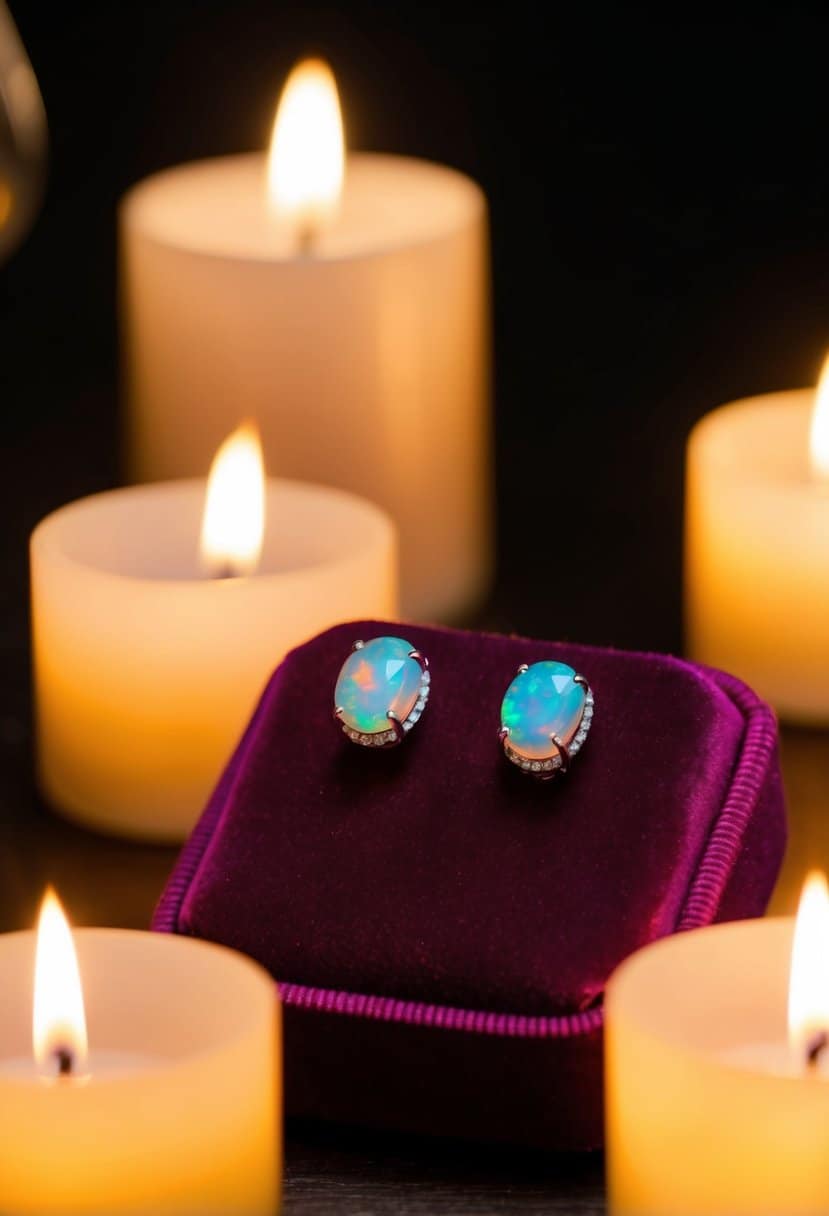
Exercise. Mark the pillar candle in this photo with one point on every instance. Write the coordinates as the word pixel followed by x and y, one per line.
pixel 757 551
pixel 363 354
pixel 712 1106
pixel 147 668
pixel 176 1108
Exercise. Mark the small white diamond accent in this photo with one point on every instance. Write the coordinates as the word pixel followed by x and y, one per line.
pixel 525 764
pixel 365 739
pixel 427 677
pixel 588 713
pixel 408 725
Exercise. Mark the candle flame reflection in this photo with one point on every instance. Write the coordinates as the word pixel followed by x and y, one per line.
pixel 819 434
pixel 233 526
pixel 809 977
pixel 307 155
pixel 59 1022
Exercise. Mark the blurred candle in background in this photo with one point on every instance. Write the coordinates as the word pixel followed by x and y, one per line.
pixel 23 138
pixel 158 612
pixel 757 546
pixel 341 303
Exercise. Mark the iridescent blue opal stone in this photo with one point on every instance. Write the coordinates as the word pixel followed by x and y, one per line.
pixel 542 702
pixel 378 677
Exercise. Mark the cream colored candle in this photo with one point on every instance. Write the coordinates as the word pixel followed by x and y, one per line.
pixel 174 1109
pixel 354 330
pixel 712 1106
pixel 147 668
pixel 757 549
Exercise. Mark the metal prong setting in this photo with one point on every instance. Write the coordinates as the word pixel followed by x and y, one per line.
pixel 358 645
pixel 563 754
pixel 419 658
pixel 559 760
pixel 399 733
pixel 524 667
pixel 399 730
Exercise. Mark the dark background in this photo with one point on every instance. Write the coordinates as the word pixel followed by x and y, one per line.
pixel 658 187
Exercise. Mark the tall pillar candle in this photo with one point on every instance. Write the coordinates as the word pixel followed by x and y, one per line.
pixel 363 354
pixel 147 669
pixel 757 549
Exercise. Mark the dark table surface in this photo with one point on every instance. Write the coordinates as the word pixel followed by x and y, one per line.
pixel 103 881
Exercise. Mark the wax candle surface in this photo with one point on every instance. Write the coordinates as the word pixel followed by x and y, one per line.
pixel 179 1114
pixel 757 552
pixel 707 1114
pixel 146 669
pixel 365 362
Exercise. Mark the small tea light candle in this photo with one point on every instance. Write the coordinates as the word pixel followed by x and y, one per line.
pixel 717 1071
pixel 342 301
pixel 757 547
pixel 173 1104
pixel 158 613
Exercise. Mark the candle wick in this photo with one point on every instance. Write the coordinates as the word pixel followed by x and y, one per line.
pixel 65 1059
pixel 815 1048
pixel 306 238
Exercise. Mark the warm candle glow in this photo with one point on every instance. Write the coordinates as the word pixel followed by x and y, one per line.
pixel 819 436
pixel 59 1022
pixel 233 527
pixel 809 977
pixel 306 161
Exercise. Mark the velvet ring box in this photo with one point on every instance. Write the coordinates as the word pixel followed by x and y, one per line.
pixel 440 924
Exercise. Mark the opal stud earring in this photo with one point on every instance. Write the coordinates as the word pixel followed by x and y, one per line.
pixel 381 691
pixel 545 717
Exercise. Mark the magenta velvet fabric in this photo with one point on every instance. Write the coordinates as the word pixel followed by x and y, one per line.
pixel 437 920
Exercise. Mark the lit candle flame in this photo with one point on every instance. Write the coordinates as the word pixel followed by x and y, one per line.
pixel 233 526
pixel 819 435
pixel 59 1022
pixel 809 978
pixel 307 155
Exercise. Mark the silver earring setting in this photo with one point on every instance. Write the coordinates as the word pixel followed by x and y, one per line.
pixel 546 715
pixel 381 691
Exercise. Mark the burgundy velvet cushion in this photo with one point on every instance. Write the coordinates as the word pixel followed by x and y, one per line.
pixel 438 874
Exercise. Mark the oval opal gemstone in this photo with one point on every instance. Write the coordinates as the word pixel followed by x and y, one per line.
pixel 379 677
pixel 542 701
